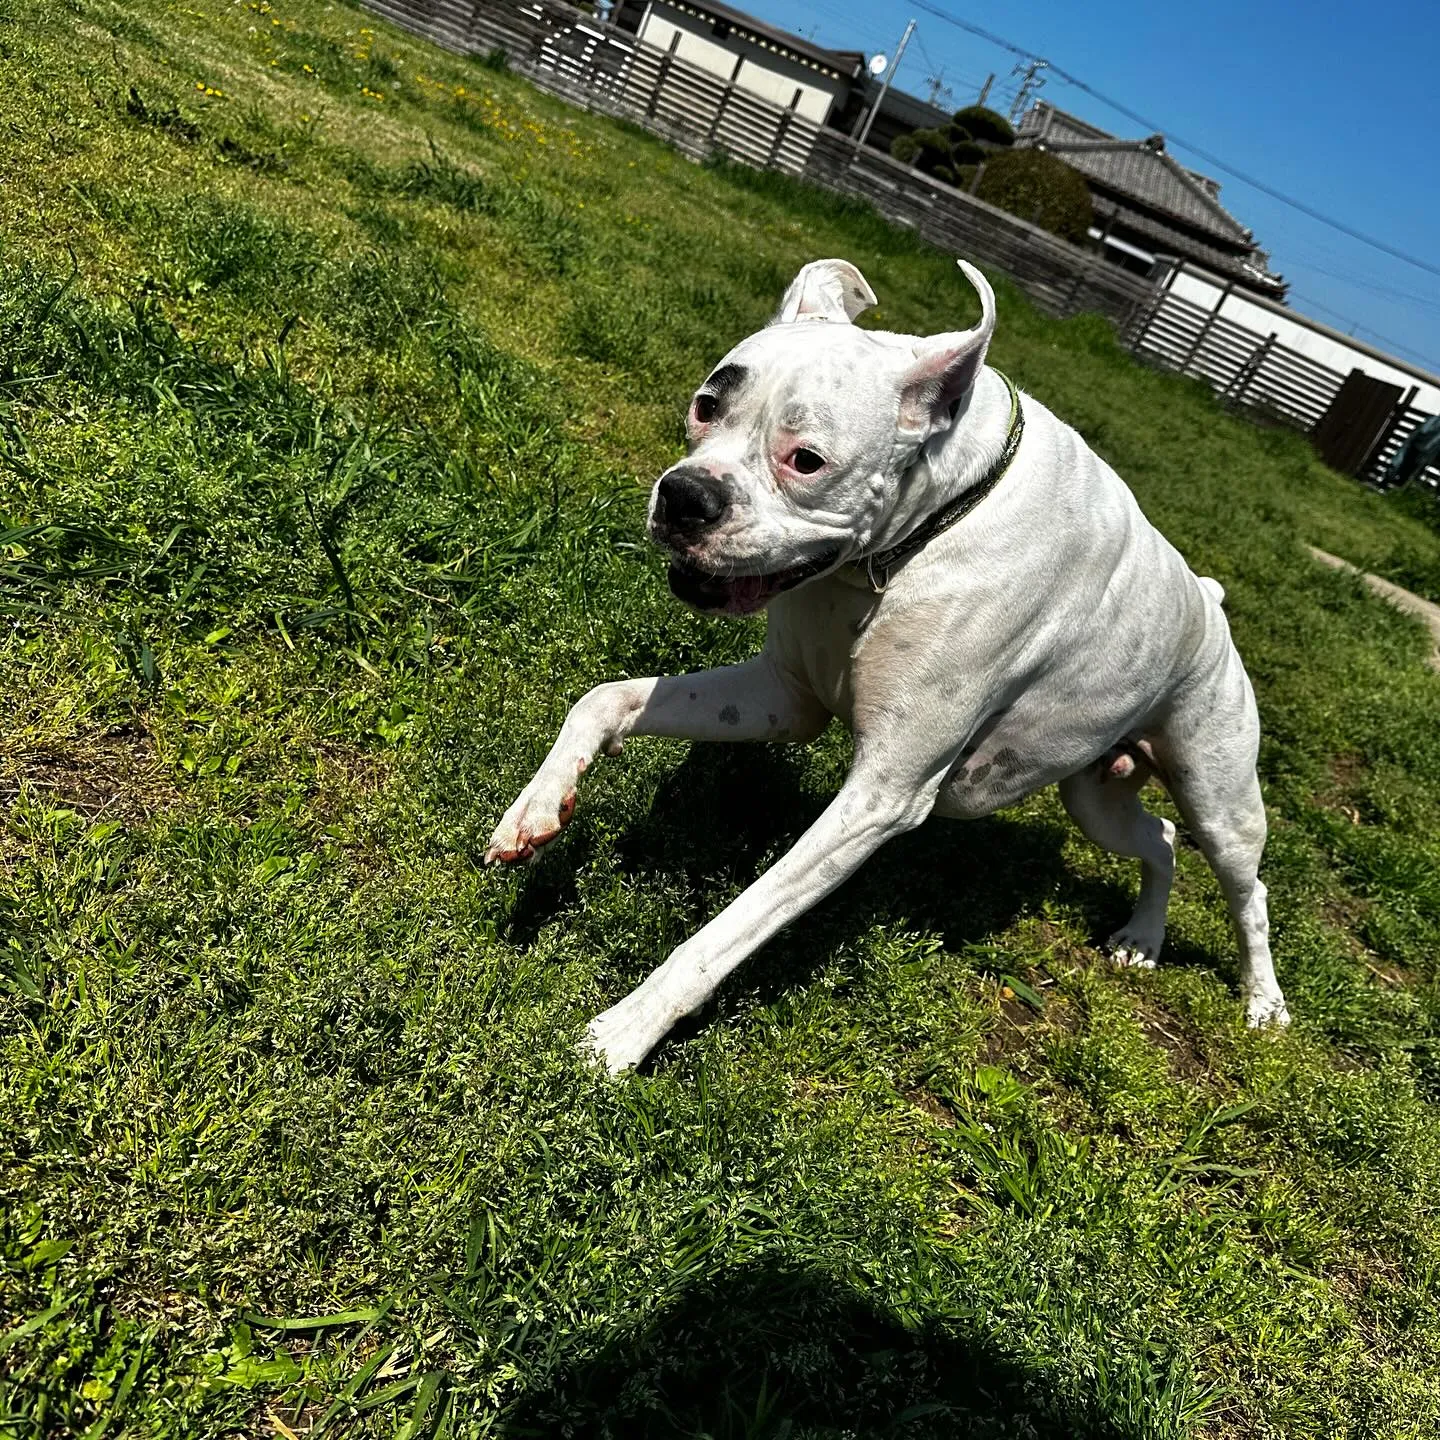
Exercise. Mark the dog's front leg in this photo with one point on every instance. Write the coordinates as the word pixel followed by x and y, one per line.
pixel 876 803
pixel 753 701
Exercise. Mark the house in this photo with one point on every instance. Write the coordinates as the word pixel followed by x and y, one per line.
pixel 784 69
pixel 1148 207
pixel 899 113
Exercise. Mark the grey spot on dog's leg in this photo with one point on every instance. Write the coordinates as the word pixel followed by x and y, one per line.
pixel 979 773
pixel 730 715
pixel 692 694
pixel 774 721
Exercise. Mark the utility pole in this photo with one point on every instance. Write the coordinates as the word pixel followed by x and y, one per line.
pixel 1033 80
pixel 985 88
pixel 880 98
pixel 938 87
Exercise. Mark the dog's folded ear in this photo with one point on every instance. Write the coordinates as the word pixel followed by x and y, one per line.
pixel 825 290
pixel 946 366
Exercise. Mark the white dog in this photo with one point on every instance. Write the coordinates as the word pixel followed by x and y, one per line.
pixel 955 574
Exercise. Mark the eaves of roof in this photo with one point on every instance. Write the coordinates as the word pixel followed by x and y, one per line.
pixel 1175 240
pixel 841 64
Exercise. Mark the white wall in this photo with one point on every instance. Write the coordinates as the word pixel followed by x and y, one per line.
pixel 1299 335
pixel 772 77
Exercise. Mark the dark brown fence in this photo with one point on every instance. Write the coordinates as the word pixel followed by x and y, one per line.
pixel 572 54
pixel 568 52
pixel 1061 278
pixel 1259 374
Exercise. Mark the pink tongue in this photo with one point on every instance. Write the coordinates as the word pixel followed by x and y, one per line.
pixel 747 590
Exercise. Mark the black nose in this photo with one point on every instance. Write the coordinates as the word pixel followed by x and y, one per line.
pixel 685 500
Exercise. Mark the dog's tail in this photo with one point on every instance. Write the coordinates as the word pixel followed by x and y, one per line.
pixel 1213 588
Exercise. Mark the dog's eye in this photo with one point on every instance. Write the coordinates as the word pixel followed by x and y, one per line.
pixel 705 407
pixel 807 462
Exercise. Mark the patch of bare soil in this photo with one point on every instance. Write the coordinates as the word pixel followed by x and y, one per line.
pixel 1347 771
pixel 1168 1031
pixel 933 1106
pixel 345 775
pixel 113 774
pixel 1020 1029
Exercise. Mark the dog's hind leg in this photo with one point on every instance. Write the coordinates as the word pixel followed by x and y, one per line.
pixel 1104 801
pixel 1207 753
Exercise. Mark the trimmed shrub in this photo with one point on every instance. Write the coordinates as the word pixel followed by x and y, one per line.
pixel 940 152
pixel 1040 188
pixel 935 142
pixel 904 148
pixel 984 125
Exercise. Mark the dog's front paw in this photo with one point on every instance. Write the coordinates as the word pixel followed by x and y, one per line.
pixel 531 823
pixel 1136 947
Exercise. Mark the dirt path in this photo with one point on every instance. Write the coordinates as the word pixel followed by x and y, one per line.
pixel 1424 610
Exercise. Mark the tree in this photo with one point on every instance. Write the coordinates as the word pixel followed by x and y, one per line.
pixel 967 140
pixel 984 125
pixel 905 148
pixel 938 152
pixel 1040 188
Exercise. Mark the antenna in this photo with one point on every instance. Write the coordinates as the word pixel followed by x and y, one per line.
pixel 1030 84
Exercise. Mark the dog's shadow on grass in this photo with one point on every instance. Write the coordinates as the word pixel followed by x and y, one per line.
pixel 772 1350
pixel 728 811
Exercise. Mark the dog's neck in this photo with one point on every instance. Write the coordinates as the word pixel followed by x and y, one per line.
pixel 951 462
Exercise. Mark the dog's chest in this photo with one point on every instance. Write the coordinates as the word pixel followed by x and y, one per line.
pixel 820 633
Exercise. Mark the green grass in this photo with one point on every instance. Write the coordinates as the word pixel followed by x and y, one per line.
pixel 326 423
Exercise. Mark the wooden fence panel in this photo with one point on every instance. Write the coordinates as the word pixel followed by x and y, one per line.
pixel 1287 385
pixel 1060 277
pixel 1408 423
pixel 572 54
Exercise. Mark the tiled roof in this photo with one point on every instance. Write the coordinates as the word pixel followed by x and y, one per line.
pixel 1138 168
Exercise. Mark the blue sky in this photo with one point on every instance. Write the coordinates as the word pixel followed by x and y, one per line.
pixel 1335 104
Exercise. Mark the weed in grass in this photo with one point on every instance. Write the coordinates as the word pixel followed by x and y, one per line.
pixel 552 237
pixel 164 116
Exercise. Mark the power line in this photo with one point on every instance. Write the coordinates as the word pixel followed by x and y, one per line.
pixel 1389 292
pixel 1354 324
pixel 1205 155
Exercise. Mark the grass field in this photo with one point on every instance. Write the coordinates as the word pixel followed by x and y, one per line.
pixel 333 372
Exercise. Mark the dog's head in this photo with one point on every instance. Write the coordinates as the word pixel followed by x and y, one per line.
pixel 800 438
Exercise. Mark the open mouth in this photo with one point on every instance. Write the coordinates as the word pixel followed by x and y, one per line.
pixel 739 594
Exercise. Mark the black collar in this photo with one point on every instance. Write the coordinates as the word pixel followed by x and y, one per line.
pixel 879 563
